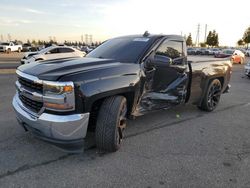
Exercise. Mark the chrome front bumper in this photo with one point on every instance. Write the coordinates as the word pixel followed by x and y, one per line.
pixel 50 127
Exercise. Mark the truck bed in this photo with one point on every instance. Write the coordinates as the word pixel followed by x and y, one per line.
pixel 204 69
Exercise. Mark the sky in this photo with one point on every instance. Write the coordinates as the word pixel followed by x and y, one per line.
pixel 104 19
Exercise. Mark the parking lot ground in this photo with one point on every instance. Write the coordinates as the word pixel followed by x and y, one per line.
pixel 10 61
pixel 180 147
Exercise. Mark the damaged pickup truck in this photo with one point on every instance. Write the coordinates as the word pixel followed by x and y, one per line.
pixel 63 101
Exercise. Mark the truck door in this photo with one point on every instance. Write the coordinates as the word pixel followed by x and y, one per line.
pixel 166 81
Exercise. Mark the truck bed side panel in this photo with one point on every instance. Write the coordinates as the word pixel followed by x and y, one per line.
pixel 205 71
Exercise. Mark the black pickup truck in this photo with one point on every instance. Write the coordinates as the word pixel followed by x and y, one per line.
pixel 63 101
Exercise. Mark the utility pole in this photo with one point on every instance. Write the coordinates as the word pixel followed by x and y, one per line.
pixel 205 37
pixel 82 38
pixel 86 38
pixel 197 40
pixel 90 39
pixel 185 37
pixel 9 37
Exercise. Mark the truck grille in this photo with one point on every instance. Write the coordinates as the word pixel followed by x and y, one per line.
pixel 30 85
pixel 35 106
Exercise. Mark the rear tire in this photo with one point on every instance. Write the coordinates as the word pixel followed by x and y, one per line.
pixel 8 51
pixel 111 123
pixel 19 50
pixel 212 96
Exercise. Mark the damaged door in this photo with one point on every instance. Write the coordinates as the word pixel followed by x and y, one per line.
pixel 166 71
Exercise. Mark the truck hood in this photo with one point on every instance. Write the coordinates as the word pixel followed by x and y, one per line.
pixel 56 69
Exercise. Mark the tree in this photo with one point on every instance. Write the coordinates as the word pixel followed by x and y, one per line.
pixel 40 42
pixel 216 39
pixel 203 44
pixel 209 38
pixel 189 40
pixel 34 42
pixel 240 42
pixel 212 39
pixel 246 36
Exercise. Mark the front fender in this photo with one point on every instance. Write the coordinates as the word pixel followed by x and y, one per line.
pixel 105 87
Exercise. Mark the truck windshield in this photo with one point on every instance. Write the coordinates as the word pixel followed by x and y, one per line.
pixel 124 49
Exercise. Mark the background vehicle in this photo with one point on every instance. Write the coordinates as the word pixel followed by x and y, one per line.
pixel 26 47
pixel 126 76
pixel 238 57
pixel 29 48
pixel 10 47
pixel 224 53
pixel 248 52
pixel 215 51
pixel 86 49
pixel 203 51
pixel 190 51
pixel 52 52
pixel 247 69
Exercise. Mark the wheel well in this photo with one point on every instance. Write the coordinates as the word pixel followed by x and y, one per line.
pixel 97 104
pixel 221 79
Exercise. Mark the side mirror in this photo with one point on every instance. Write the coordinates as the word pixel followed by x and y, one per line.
pixel 158 60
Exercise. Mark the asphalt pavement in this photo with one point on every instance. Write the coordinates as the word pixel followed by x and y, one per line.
pixel 10 61
pixel 180 147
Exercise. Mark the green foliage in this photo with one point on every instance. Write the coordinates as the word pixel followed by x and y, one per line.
pixel 203 44
pixel 246 36
pixel 212 39
pixel 240 42
pixel 40 42
pixel 34 42
pixel 189 40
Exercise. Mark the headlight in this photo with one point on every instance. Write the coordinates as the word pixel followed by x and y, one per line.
pixel 59 96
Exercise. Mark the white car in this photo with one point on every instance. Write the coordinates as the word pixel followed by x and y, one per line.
pixel 10 47
pixel 247 69
pixel 52 52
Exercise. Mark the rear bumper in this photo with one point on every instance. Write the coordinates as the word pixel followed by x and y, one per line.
pixel 65 131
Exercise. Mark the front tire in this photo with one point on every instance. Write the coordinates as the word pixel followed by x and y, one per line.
pixel 19 50
pixel 111 123
pixel 212 96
